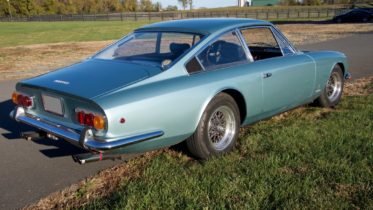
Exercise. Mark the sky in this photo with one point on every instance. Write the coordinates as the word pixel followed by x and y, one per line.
pixel 200 3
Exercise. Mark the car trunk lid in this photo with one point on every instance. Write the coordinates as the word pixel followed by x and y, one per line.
pixel 92 78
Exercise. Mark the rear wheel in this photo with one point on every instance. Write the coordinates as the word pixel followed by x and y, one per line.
pixel 331 95
pixel 218 129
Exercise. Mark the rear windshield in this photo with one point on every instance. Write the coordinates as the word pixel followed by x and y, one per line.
pixel 157 48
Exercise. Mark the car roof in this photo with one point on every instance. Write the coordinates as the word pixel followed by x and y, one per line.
pixel 202 25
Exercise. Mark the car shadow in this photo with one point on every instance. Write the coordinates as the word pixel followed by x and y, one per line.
pixel 13 130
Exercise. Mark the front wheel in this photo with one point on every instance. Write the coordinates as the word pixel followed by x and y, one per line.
pixel 218 129
pixel 332 93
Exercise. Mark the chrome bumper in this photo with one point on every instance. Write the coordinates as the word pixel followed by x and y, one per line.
pixel 85 139
pixel 348 76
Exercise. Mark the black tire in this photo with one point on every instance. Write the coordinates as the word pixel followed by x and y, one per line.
pixel 332 93
pixel 205 143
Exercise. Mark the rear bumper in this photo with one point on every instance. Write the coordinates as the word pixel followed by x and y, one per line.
pixel 85 138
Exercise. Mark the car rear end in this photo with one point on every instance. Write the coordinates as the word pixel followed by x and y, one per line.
pixel 58 114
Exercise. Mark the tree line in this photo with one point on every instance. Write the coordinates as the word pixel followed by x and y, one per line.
pixel 43 7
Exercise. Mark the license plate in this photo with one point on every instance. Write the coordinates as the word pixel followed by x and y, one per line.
pixel 52 104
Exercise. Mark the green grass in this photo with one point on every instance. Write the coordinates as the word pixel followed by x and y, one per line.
pixel 313 159
pixel 24 33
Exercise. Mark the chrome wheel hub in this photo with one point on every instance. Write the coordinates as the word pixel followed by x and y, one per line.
pixel 221 128
pixel 333 87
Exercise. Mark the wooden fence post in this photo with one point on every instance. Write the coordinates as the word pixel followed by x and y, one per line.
pixel 309 14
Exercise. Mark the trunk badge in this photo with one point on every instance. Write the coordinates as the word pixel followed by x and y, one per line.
pixel 61 82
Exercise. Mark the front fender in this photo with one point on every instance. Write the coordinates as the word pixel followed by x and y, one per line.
pixel 325 62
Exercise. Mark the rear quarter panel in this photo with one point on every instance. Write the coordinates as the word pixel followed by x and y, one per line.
pixel 175 105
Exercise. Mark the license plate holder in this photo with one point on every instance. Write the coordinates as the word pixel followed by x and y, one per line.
pixel 52 104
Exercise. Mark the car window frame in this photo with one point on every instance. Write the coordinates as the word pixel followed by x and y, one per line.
pixel 282 37
pixel 248 55
pixel 279 37
pixel 262 26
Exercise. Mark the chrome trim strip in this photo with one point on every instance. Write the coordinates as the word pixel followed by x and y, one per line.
pixel 85 139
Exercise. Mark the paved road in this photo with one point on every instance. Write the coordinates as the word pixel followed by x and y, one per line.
pixel 358 48
pixel 31 170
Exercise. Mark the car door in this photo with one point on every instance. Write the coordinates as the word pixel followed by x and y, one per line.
pixel 288 76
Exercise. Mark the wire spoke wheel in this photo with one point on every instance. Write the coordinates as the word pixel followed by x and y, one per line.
pixel 221 128
pixel 334 87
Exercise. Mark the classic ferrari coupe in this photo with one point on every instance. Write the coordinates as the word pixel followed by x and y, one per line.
pixel 194 80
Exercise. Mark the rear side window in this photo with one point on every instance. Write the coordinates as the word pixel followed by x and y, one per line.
pixel 261 43
pixel 225 51
pixel 169 41
pixel 193 66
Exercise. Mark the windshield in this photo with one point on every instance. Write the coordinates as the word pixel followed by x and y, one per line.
pixel 154 48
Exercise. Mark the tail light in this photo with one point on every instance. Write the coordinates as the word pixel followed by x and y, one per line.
pixel 90 119
pixel 22 100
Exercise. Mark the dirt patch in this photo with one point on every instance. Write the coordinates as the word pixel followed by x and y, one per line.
pixel 311 33
pixel 32 60
pixel 359 87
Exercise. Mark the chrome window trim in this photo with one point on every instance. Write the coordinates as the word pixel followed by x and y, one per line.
pixel 199 61
pixel 281 36
pixel 249 56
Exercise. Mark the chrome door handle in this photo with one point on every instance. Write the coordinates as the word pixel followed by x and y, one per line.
pixel 266 75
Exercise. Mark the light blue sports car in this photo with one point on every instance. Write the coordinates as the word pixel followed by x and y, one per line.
pixel 195 80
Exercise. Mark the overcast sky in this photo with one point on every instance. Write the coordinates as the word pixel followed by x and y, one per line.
pixel 200 3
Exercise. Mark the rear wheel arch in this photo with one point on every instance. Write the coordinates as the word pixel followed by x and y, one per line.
pixel 240 101
pixel 341 65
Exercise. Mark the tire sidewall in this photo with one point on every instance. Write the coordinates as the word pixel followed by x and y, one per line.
pixel 338 71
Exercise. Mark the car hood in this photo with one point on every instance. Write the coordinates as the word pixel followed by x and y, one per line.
pixel 92 78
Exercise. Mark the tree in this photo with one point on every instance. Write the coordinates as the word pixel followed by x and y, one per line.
pixel 146 5
pixel 171 8
pixel 184 3
pixel 190 2
pixel 129 5
pixel 158 7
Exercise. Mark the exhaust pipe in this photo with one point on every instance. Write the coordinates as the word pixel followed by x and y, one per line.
pixel 91 157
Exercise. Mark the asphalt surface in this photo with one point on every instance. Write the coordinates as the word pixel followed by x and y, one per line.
pixel 358 49
pixel 32 170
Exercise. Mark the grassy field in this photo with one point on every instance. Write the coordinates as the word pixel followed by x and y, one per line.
pixel 308 158
pixel 25 33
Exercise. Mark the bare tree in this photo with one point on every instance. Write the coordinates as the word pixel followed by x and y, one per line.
pixel 184 3
pixel 190 4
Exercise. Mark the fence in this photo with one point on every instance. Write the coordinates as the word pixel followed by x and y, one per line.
pixel 267 14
